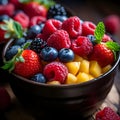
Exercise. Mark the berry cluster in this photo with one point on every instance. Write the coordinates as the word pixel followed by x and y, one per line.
pixel 62 52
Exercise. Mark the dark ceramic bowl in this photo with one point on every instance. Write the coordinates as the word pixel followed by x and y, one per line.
pixel 78 99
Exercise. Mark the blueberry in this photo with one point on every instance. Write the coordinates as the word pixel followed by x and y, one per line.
pixel 66 55
pixel 33 31
pixel 48 54
pixel 92 39
pixel 3 2
pixel 11 52
pixel 4 17
pixel 20 41
pixel 60 18
pixel 39 78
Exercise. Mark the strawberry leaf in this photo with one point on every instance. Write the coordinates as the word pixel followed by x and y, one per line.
pixel 99 32
pixel 113 45
pixel 17 29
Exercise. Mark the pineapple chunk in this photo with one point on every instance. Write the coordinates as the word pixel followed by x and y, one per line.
pixel 77 58
pixel 54 82
pixel 73 67
pixel 82 77
pixel 71 79
pixel 106 68
pixel 95 69
pixel 84 66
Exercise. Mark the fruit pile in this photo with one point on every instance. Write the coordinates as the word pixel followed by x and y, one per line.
pixel 62 52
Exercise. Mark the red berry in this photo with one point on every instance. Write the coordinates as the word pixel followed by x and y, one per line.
pixel 55 71
pixel 36 20
pixel 7 9
pixel 51 26
pixel 107 114
pixel 59 39
pixel 82 46
pixel 88 28
pixel 22 18
pixel 106 38
pixel 5 99
pixel 112 23
pixel 103 55
pixel 35 9
pixel 30 66
pixel 73 26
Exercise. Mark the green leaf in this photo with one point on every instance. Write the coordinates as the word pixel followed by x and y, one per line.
pixel 7 35
pixel 113 45
pixel 18 29
pixel 99 32
pixel 4 27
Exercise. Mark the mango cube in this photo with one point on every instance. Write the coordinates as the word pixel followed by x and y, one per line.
pixel 106 68
pixel 73 67
pixel 84 66
pixel 71 79
pixel 82 77
pixel 77 58
pixel 95 69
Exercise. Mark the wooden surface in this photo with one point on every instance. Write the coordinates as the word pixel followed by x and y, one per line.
pixel 86 10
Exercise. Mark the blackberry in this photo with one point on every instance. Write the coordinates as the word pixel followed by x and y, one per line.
pixel 37 45
pixel 55 10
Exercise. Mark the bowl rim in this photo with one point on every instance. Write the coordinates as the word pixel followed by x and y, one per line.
pixel 63 85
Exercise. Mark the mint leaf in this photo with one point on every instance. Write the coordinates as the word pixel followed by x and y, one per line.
pixel 113 45
pixel 99 32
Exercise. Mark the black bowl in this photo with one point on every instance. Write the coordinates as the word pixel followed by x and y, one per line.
pixel 78 99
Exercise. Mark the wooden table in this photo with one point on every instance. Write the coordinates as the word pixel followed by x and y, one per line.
pixel 86 10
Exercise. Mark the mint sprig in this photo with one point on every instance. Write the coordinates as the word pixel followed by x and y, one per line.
pixel 99 32
pixel 12 29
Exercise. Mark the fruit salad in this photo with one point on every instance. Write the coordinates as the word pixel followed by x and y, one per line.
pixel 54 48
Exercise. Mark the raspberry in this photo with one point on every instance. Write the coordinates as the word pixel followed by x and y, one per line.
pixel 22 18
pixel 82 46
pixel 59 39
pixel 107 114
pixel 36 20
pixel 88 28
pixel 55 71
pixel 5 99
pixel 112 23
pixel 51 26
pixel 7 9
pixel 106 38
pixel 73 26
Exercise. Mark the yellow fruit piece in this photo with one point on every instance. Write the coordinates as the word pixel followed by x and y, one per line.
pixel 91 77
pixel 82 77
pixel 53 82
pixel 95 69
pixel 71 79
pixel 73 67
pixel 84 66
pixel 77 58
pixel 106 68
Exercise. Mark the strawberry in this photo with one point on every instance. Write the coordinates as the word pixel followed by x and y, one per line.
pixel 30 66
pixel 25 63
pixel 35 9
pixel 102 54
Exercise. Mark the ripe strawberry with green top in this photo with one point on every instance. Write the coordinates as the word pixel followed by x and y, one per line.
pixel 30 66
pixel 103 52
